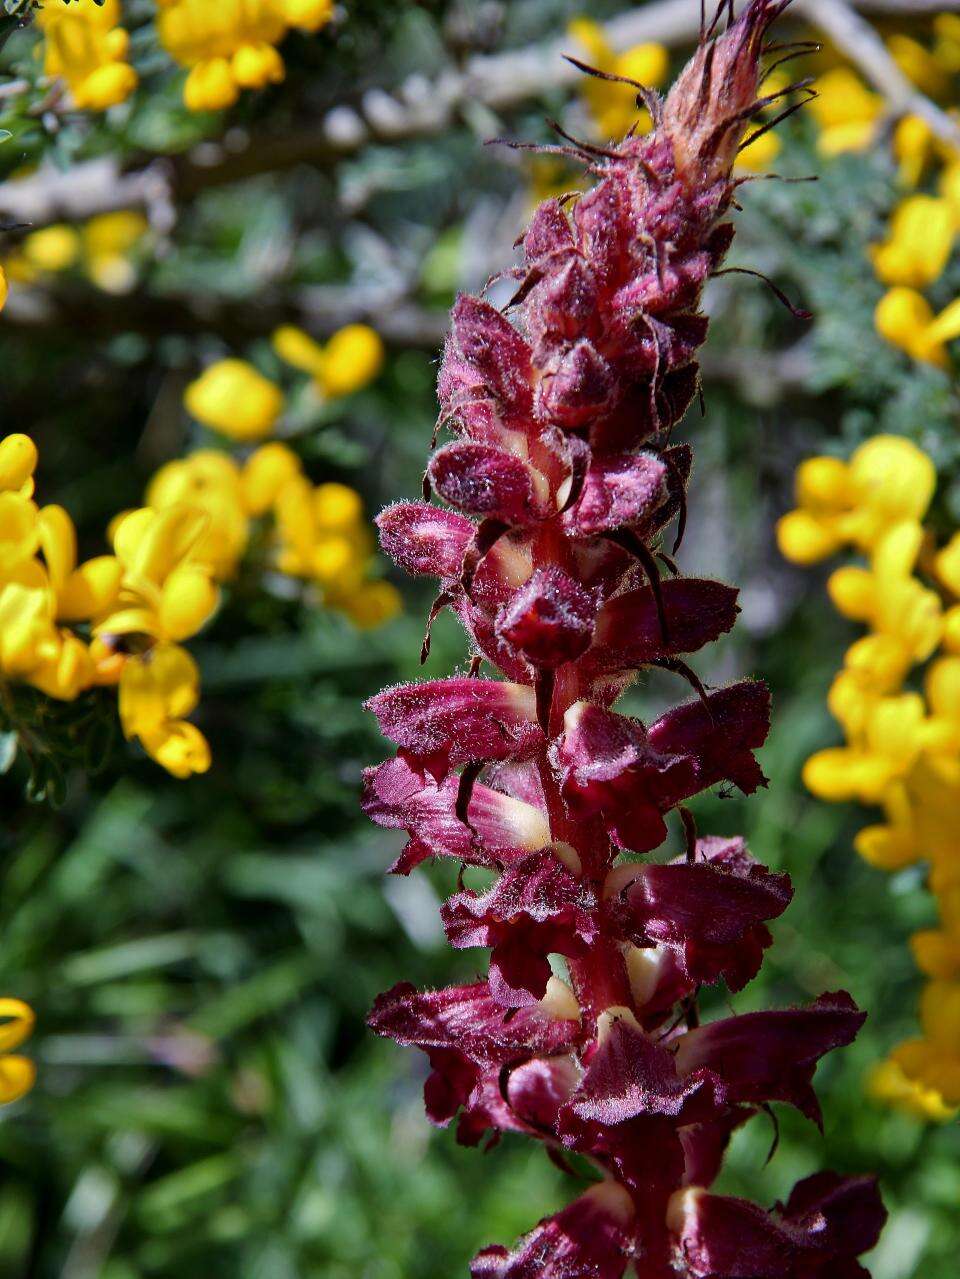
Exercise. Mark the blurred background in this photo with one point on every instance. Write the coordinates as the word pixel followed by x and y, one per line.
pixel 201 953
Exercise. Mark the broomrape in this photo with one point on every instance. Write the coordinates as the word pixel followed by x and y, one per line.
pixel 562 480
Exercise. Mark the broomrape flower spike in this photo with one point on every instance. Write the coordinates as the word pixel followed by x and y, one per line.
pixel 585 1033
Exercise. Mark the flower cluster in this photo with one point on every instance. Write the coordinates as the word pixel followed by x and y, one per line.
pixel 227 46
pixel 231 45
pixel 122 619
pixel 585 1033
pixel 923 227
pixel 103 248
pixel 902 748
pixel 85 45
pixel 17 1074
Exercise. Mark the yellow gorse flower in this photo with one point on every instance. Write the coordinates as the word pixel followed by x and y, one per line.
pixel 888 480
pixel 846 111
pixel 919 242
pixel 232 397
pixel 102 247
pixel 905 318
pixel 17 1074
pixel 612 106
pixel 85 45
pixel 348 362
pixel 902 748
pixel 231 45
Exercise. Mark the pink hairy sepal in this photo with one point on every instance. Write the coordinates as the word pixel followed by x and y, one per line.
pixel 560 483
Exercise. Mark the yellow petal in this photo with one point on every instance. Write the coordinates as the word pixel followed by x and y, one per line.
pixel 188 600
pixel 55 248
pixel 90 590
pixel 352 358
pixel 853 592
pixel 257 65
pixel 162 685
pixel 179 747
pixel 18 461
pixel 374 604
pixel 58 542
pixel 803 539
pixel 266 472
pixel 232 397
pixel 210 86
pixel 299 349
pixel 17 1077
pixel 17 1021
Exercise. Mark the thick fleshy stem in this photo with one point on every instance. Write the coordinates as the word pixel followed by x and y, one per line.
pixel 585 1034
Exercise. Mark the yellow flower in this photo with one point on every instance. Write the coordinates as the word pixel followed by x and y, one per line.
pixel 108 241
pixel 937 950
pixel 919 65
pixel 904 616
pixel 208 482
pixel 846 112
pixel 892 738
pixel 265 474
pixel 85 45
pixel 888 1083
pixel 888 480
pixel 230 46
pixel 947 564
pixel 373 604
pixel 157 691
pixel 933 1061
pixel 167 593
pixel 4 289
pixel 760 153
pixel 17 1074
pixel 348 362
pixel 919 242
pixel 946 48
pixel 906 319
pixel 914 142
pixel 613 106
pixel 55 248
pixel 233 398
pixel 18 461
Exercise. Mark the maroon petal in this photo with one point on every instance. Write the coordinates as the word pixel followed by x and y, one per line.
pixel 720 735
pixel 608 766
pixel 705 1144
pixel 719 1237
pixel 712 910
pixel 425 540
pixel 401 794
pixel 583 386
pixel 487 481
pixel 772 1055
pixel 548 234
pixel 465 719
pixel 534 909
pixel 630 1075
pixel 537 1089
pixel 588 1240
pixel 467 1019
pixel 549 620
pixel 618 490
pixel 490 344
pixel 629 632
